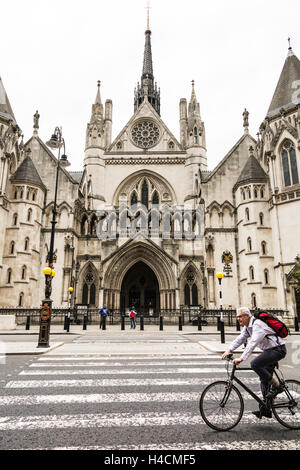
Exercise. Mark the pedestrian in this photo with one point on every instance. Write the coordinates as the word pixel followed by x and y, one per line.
pixel 132 318
pixel 273 350
pixel 103 312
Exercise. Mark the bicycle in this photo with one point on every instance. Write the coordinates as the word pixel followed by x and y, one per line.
pixel 222 405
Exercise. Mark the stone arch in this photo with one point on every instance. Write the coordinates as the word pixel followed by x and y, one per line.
pixel 159 183
pixel 127 257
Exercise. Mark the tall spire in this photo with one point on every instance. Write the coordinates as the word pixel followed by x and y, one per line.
pixel 5 107
pixel 287 94
pixel 148 88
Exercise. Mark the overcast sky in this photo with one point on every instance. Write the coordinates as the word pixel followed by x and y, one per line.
pixel 52 52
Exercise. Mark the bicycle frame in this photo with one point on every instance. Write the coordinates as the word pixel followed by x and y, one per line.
pixel 233 378
pixel 238 381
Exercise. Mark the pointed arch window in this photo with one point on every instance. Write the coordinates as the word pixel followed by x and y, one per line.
pixel 29 214
pixel 264 248
pixel 155 198
pixel 261 218
pixel 9 274
pixel 89 288
pixel 195 135
pixel 26 244
pixel 266 274
pixel 134 199
pixel 23 273
pixel 187 298
pixel 251 273
pixel 15 219
pixel 249 243
pixel 247 214
pixel 194 295
pixel 145 194
pixel 21 299
pixel 12 248
pixel 289 164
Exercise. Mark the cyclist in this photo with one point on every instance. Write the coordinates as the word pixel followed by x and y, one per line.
pixel 273 350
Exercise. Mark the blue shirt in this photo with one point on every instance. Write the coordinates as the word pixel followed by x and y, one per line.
pixel 104 312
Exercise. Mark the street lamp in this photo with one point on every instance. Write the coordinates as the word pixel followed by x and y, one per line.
pixel 56 142
pixel 220 277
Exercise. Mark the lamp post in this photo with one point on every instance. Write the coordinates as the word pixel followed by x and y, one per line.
pixel 220 277
pixel 56 142
pixel 70 291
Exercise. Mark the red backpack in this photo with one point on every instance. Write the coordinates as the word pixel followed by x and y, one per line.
pixel 273 322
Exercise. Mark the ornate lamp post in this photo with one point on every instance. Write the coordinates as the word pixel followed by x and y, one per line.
pixel 56 142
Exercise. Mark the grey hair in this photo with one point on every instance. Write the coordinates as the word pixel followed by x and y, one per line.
pixel 244 310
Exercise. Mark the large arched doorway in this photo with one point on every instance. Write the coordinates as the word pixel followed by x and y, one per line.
pixel 140 289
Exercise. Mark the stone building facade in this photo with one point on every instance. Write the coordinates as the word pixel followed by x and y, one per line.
pixel 145 223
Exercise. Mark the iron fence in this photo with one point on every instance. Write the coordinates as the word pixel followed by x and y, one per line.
pixel 170 316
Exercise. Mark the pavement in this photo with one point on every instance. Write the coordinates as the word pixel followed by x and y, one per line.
pixel 22 342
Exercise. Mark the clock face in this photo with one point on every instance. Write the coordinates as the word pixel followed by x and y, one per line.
pixel 145 134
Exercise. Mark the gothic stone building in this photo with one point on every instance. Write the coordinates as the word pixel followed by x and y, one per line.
pixel 249 205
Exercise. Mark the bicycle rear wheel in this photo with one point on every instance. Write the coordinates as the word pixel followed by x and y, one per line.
pixel 221 406
pixel 286 405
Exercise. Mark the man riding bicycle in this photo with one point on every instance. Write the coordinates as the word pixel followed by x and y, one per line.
pixel 273 350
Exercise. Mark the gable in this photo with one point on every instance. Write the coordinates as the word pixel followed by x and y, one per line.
pixel 144 132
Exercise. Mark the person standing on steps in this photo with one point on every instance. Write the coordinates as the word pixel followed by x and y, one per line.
pixel 103 312
pixel 132 318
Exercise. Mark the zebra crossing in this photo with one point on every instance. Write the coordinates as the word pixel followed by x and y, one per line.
pixel 94 401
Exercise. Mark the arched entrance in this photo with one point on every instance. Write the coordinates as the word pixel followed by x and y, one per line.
pixel 140 289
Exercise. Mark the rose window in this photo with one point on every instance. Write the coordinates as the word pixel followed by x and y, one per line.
pixel 145 134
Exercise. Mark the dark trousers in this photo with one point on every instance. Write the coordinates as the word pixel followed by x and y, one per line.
pixel 264 365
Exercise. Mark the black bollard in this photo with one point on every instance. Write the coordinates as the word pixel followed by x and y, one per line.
pixel 238 326
pixel 161 323
pixel 85 319
pixel 296 324
pixel 68 324
pixel 218 323
pixel 28 323
pixel 123 322
pixel 199 323
pixel 65 322
pixel 222 329
pixel 180 322
pixel 142 323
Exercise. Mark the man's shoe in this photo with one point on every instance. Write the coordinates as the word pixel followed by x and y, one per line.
pixel 274 391
pixel 262 413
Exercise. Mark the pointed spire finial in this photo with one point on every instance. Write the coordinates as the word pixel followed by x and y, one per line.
pixel 98 96
pixel 148 16
pixel 290 48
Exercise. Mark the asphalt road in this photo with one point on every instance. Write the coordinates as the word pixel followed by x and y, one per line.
pixel 125 393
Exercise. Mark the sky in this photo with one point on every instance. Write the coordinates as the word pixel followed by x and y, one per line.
pixel 52 52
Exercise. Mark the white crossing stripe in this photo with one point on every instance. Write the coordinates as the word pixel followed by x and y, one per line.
pixel 122 364
pixel 12 423
pixel 179 370
pixel 114 382
pixel 98 398
pixel 125 356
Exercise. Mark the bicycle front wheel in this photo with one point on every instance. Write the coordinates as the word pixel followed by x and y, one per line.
pixel 286 405
pixel 221 406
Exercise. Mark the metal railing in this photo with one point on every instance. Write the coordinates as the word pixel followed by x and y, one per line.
pixel 208 317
